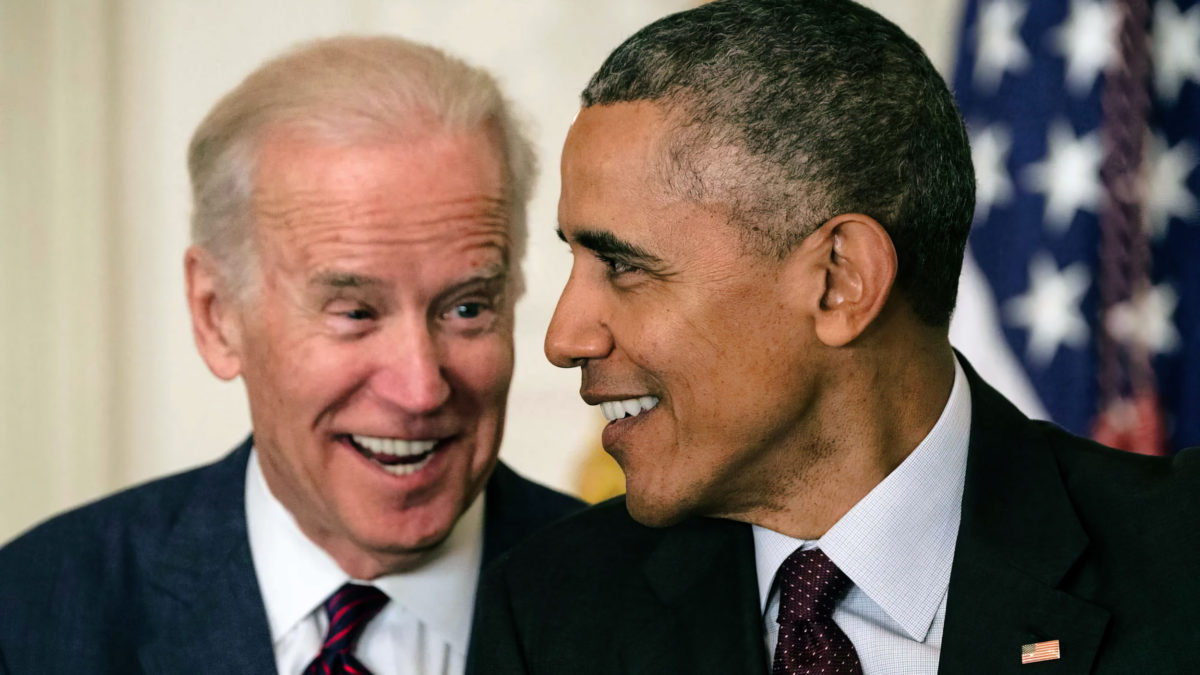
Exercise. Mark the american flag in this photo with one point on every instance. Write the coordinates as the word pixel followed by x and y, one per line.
pixel 1039 651
pixel 1084 118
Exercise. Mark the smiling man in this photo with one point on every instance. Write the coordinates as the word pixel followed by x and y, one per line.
pixel 766 203
pixel 358 226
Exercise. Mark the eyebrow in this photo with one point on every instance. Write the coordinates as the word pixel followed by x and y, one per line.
pixel 490 279
pixel 607 244
pixel 487 277
pixel 343 280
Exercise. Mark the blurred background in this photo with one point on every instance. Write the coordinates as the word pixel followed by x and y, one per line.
pixel 102 387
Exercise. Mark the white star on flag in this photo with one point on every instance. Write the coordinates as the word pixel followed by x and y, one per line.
pixel 1146 320
pixel 1050 308
pixel 989 153
pixel 1069 176
pixel 1086 41
pixel 1089 282
pixel 1000 47
pixel 1169 196
pixel 1176 48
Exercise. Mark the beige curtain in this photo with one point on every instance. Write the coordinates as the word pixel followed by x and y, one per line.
pixel 56 257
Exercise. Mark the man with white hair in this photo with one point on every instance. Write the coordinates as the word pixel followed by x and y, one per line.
pixel 358 225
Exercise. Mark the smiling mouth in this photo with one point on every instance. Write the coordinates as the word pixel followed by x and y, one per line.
pixel 397 456
pixel 630 407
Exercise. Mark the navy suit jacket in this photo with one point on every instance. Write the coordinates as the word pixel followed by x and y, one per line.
pixel 159 578
pixel 1060 539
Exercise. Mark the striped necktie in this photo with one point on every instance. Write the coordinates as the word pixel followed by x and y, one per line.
pixel 349 610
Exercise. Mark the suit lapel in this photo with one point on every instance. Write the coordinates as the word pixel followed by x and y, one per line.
pixel 1018 538
pixel 709 621
pixel 204 601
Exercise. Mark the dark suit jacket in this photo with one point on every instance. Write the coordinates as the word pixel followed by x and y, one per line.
pixel 1060 538
pixel 159 578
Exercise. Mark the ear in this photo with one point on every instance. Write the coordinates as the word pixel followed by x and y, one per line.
pixel 216 322
pixel 859 264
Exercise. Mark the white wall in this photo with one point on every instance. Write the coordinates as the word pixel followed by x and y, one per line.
pixel 102 386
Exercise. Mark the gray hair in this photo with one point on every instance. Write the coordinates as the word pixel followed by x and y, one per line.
pixel 790 112
pixel 344 90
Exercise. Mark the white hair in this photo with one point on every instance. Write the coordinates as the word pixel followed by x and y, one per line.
pixel 344 90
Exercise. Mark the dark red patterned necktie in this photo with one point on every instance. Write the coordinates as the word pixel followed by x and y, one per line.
pixel 349 610
pixel 810 643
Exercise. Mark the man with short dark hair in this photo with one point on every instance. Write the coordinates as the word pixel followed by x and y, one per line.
pixel 767 203
pixel 357 235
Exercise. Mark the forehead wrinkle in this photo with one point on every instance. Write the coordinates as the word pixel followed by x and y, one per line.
pixel 462 225
pixel 303 208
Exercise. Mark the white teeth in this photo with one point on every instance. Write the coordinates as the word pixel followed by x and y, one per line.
pixel 398 447
pixel 609 408
pixel 395 446
pixel 631 407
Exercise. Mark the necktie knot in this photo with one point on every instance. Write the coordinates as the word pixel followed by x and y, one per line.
pixel 810 642
pixel 810 585
pixel 349 610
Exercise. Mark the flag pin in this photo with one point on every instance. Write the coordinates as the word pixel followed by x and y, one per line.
pixel 1039 651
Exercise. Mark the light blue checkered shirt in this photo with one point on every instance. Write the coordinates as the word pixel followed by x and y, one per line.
pixel 896 545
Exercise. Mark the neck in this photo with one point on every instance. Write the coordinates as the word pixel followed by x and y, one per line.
pixel 882 404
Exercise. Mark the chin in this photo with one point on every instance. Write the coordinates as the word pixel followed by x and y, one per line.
pixel 655 511
pixel 401 556
pixel 413 533
pixel 417 551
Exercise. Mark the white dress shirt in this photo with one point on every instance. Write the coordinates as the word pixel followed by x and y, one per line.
pixel 896 545
pixel 422 630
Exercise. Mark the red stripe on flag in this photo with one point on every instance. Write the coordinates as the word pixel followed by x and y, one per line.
pixel 1133 424
pixel 1039 651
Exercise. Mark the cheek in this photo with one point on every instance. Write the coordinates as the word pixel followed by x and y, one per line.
pixel 713 375
pixel 481 368
pixel 299 381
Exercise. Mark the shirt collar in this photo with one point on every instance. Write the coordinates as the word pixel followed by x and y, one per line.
pixel 296 576
pixel 897 543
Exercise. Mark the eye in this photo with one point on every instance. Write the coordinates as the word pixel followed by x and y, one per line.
pixel 617 267
pixel 360 314
pixel 350 318
pixel 470 316
pixel 468 310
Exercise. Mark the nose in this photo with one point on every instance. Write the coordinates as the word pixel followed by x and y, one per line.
pixel 577 330
pixel 409 373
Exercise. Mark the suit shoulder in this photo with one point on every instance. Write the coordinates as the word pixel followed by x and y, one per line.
pixel 609 519
pixel 1081 457
pixel 94 538
pixel 601 538
pixel 1156 495
pixel 517 492
pixel 516 507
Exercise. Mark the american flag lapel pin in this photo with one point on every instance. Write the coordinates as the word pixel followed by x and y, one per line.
pixel 1039 651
